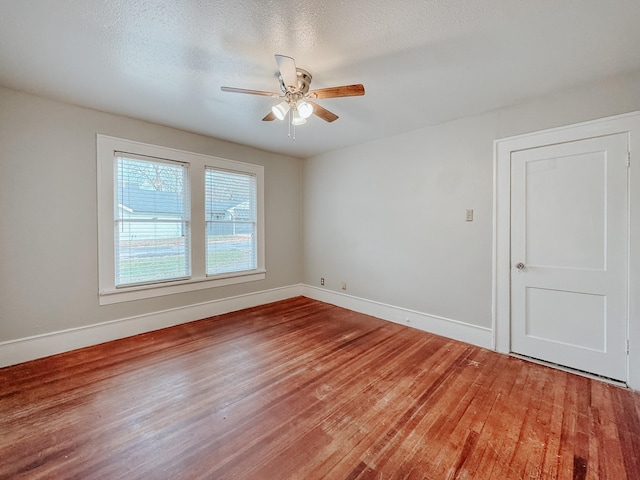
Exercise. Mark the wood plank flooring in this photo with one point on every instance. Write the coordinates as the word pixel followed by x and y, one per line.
pixel 300 389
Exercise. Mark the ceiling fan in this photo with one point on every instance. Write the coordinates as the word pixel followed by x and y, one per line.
pixel 297 98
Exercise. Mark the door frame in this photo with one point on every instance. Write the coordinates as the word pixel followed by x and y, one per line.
pixel 501 278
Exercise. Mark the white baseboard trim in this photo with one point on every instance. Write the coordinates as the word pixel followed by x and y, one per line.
pixel 22 350
pixel 446 327
pixel 30 348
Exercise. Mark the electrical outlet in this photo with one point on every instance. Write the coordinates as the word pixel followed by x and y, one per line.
pixel 321 280
pixel 469 216
pixel 344 285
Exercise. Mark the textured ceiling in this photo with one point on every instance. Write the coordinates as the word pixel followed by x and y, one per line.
pixel 422 62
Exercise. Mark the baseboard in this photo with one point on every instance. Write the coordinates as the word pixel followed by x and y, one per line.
pixel 31 348
pixel 464 332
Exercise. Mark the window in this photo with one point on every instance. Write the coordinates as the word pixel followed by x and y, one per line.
pixel 230 211
pixel 151 221
pixel 171 221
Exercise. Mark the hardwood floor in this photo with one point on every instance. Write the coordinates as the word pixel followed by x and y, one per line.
pixel 299 389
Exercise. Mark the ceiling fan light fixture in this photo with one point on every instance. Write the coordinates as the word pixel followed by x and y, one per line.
pixel 305 109
pixel 297 119
pixel 280 110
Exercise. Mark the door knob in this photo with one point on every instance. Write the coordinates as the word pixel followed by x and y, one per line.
pixel 520 266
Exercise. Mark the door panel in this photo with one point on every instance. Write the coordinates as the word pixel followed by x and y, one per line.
pixel 566 197
pixel 569 229
pixel 546 311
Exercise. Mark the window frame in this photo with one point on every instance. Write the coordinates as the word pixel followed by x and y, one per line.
pixel 107 148
pixel 254 202
pixel 121 221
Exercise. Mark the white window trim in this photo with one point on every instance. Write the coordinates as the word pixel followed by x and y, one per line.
pixel 108 293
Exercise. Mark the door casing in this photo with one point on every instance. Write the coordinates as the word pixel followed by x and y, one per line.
pixel 501 307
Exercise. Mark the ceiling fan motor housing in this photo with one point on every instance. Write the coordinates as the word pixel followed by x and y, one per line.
pixel 304 82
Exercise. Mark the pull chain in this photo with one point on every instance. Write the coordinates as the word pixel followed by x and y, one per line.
pixel 290 122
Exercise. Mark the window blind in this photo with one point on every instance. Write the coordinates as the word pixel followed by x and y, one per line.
pixel 152 228
pixel 231 216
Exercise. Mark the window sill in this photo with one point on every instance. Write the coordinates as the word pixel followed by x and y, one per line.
pixel 111 296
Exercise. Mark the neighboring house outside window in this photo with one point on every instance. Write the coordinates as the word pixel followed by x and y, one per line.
pixel 172 221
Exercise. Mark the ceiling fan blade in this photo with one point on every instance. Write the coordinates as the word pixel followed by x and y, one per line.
pixel 287 67
pixel 343 91
pixel 251 92
pixel 269 117
pixel 323 113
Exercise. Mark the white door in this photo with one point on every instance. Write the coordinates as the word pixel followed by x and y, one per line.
pixel 569 254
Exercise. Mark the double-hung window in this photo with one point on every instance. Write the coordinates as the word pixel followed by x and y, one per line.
pixel 231 221
pixel 152 228
pixel 171 221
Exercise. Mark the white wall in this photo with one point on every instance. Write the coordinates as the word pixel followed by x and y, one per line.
pixel 388 217
pixel 48 228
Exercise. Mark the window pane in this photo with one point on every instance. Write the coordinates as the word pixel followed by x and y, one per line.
pixel 152 221
pixel 230 211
